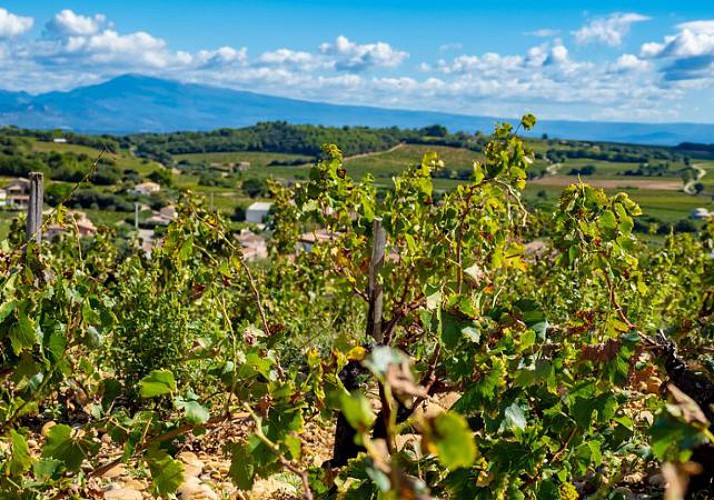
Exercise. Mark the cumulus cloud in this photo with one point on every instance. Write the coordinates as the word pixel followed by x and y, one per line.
pixel 609 30
pixel 630 62
pixel 67 23
pixel 80 48
pixel 12 25
pixel 224 56
pixel 351 56
pixel 688 54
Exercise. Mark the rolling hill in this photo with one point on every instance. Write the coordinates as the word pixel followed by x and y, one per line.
pixel 134 103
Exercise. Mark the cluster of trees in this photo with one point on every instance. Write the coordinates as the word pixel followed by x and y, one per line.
pixel 282 137
pixel 623 153
pixel 661 169
pixel 18 160
pixel 93 141
pixel 584 170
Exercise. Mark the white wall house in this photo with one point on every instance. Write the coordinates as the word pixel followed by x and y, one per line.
pixel 257 212
pixel 146 188
pixel 701 214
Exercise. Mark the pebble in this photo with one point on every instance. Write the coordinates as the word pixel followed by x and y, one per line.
pixel 116 471
pixel 192 489
pixel 192 465
pixel 122 494
pixel 46 428
pixel 136 484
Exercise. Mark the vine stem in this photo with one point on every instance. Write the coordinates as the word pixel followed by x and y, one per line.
pixel 165 437
pixel 302 474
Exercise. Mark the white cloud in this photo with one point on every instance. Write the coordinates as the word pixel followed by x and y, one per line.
pixel 296 59
pixel 687 55
pixel 609 30
pixel 351 56
pixel 79 50
pixel 543 33
pixel 67 23
pixel 12 25
pixel 224 56
pixel 630 62
pixel 451 46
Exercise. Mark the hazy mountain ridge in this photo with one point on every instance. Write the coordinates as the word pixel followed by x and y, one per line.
pixel 133 103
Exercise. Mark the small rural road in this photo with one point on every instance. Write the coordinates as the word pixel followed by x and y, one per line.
pixel 689 188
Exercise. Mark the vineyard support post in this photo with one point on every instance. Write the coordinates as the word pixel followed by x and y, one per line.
pixel 34 207
pixel 136 215
pixel 374 287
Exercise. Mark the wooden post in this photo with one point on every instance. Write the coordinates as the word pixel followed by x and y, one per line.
pixel 34 207
pixel 136 216
pixel 374 287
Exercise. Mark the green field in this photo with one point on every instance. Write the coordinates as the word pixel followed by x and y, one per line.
pixel 660 197
pixel 124 159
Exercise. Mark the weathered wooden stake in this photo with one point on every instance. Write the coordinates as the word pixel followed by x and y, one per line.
pixel 374 287
pixel 136 215
pixel 34 207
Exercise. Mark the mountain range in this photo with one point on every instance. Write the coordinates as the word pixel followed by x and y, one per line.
pixel 135 103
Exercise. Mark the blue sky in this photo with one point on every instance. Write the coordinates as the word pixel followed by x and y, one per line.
pixel 633 61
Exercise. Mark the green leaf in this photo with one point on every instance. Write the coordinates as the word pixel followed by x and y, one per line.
pixel 23 334
pixel 528 121
pixel 61 446
pixel 111 389
pixel 157 383
pixel 588 410
pixel 513 417
pixel 357 410
pixel 167 474
pixel 484 390
pixel 450 438
pixel 47 469
pixel 193 411
pixel 21 459
pixel 6 309
pixel 242 471
pixel 608 220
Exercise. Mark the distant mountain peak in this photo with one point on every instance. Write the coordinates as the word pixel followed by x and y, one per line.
pixel 134 102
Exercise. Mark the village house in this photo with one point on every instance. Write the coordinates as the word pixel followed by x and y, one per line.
pixel 254 246
pixel 146 188
pixel 308 240
pixel 17 194
pixel 700 214
pixel 164 216
pixel 257 212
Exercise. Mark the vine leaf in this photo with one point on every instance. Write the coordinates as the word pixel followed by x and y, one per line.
pixel 193 410
pixel 167 473
pixel 21 459
pixel 448 436
pixel 62 446
pixel 157 383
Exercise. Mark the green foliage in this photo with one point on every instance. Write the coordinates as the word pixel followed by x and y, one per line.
pixel 157 383
pixel 549 352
